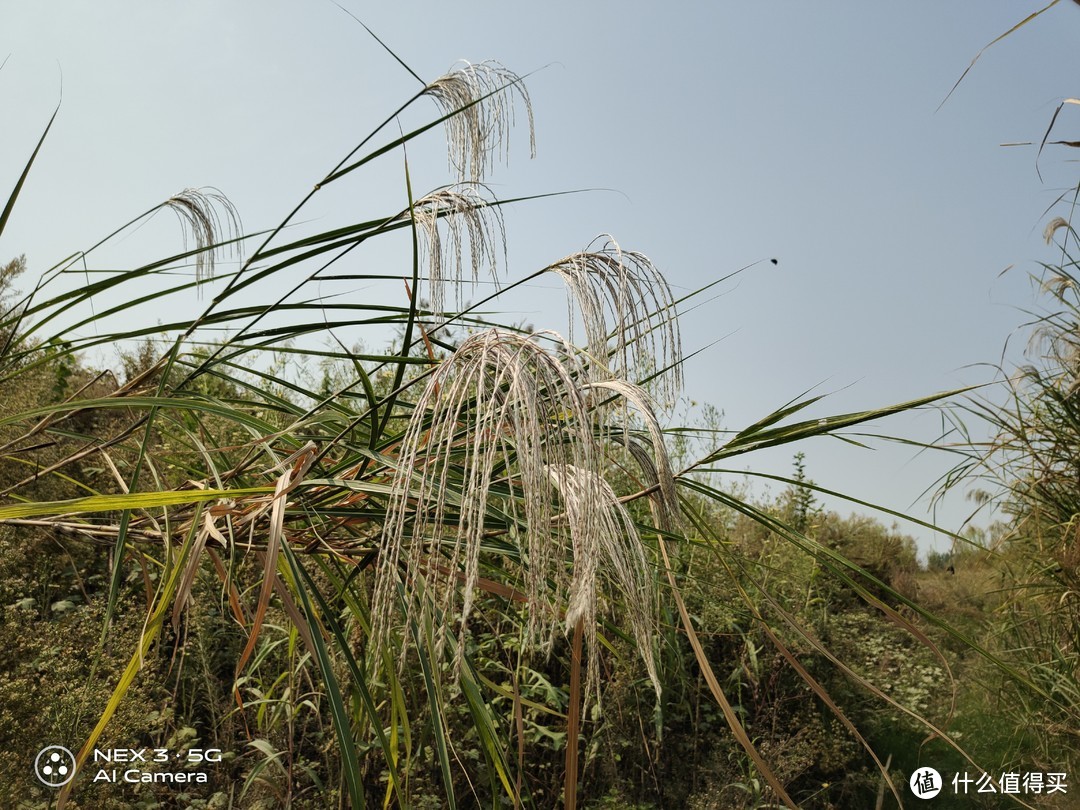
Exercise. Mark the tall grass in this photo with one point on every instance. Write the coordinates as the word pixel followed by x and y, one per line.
pixel 512 479
pixel 1030 468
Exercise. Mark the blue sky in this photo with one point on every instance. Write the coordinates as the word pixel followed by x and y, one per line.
pixel 725 133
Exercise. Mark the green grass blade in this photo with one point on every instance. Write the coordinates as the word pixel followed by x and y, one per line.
pixel 350 763
pixel 6 214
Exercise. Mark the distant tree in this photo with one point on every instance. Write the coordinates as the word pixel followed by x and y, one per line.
pixel 800 505
pixel 8 273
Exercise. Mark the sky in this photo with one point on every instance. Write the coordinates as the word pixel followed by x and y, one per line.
pixel 715 136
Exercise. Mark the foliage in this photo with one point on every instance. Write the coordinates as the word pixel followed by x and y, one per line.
pixel 1029 468
pixel 1033 460
pixel 463 571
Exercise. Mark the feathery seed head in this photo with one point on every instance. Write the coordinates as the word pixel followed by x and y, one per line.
pixel 656 466
pixel 1052 228
pixel 628 313
pixel 479 98
pixel 605 546
pixel 465 215
pixel 502 438
pixel 210 219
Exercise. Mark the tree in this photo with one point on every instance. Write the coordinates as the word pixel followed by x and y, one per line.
pixel 8 273
pixel 800 497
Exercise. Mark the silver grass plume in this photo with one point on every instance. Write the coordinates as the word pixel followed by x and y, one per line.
pixel 631 328
pixel 464 215
pixel 476 135
pixel 209 218
pixel 504 423
pixel 657 466
pixel 605 546
pixel 1052 228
